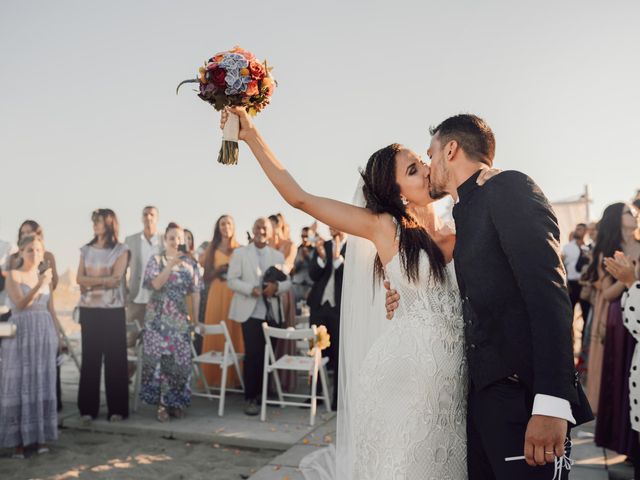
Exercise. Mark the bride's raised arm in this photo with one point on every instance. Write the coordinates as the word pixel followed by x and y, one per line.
pixel 342 216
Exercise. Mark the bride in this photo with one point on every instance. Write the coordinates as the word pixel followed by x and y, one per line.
pixel 402 394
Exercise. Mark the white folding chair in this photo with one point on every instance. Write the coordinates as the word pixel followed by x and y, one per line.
pixel 313 365
pixel 135 357
pixel 223 359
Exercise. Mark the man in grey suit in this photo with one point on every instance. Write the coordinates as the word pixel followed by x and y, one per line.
pixel 245 277
pixel 142 246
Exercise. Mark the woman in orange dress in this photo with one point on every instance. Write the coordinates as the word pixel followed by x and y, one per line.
pixel 216 264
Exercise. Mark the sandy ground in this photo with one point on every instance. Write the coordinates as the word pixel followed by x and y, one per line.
pixel 88 455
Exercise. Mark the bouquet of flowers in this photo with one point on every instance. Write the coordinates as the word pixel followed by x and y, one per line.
pixel 234 78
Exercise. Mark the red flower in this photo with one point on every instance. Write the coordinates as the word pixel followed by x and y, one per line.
pixel 257 70
pixel 252 88
pixel 217 77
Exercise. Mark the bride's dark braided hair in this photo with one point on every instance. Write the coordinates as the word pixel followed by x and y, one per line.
pixel 382 195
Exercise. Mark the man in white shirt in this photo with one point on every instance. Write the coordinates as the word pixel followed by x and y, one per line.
pixel 142 246
pixel 248 306
pixel 575 257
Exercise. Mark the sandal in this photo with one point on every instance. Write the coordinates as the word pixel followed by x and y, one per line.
pixel 18 454
pixel 162 415
pixel 176 413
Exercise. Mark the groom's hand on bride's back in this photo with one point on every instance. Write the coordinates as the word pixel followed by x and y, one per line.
pixel 392 300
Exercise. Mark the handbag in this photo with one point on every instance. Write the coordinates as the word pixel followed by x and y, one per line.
pixel 272 275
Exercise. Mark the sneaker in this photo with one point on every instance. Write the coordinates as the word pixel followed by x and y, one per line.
pixel 251 408
pixel 115 418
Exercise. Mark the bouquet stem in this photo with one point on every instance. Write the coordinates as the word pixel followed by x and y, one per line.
pixel 229 150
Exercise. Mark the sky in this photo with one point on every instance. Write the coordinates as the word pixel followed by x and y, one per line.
pixel 89 117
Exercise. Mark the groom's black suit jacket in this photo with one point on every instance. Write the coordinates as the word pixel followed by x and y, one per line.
pixel 517 312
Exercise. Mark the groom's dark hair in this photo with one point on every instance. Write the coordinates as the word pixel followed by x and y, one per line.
pixel 473 135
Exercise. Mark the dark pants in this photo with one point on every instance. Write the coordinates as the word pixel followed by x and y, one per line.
pixel 574 294
pixel 330 317
pixel 58 389
pixel 104 335
pixel 254 345
pixel 496 424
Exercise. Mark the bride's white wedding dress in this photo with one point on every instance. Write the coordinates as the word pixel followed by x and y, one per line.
pixel 410 420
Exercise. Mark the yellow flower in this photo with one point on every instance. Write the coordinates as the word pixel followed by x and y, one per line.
pixel 252 111
pixel 244 72
pixel 323 339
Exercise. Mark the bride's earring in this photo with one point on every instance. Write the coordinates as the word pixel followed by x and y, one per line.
pixel 405 202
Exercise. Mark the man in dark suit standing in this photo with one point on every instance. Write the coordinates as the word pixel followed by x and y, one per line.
pixel 523 391
pixel 326 269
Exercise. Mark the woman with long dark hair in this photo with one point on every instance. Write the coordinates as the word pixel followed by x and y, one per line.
pixel 414 376
pixel 613 428
pixel 219 296
pixel 103 262
pixel 609 240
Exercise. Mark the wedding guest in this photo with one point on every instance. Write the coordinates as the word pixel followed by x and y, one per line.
pixel 613 428
pixel 636 201
pixel 6 250
pixel 609 240
pixel 326 270
pixel 281 241
pixel 103 262
pixel 31 227
pixel 592 233
pixel 249 304
pixel 189 243
pixel 166 340
pixel 574 257
pixel 142 246
pixel 216 266
pixel 302 282
pixel 28 413
pixel 189 250
pixel 623 270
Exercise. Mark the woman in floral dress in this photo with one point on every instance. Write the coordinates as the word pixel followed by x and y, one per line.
pixel 166 341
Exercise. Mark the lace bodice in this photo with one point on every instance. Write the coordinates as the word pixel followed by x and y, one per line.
pixel 411 420
pixel 427 298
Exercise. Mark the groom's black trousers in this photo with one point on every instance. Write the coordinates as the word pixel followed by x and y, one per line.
pixel 496 424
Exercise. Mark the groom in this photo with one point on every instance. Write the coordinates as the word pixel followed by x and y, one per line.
pixel 524 394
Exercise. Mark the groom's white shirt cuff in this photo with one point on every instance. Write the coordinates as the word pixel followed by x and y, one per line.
pixel 552 407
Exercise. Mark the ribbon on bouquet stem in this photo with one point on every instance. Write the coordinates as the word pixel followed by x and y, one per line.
pixel 559 464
